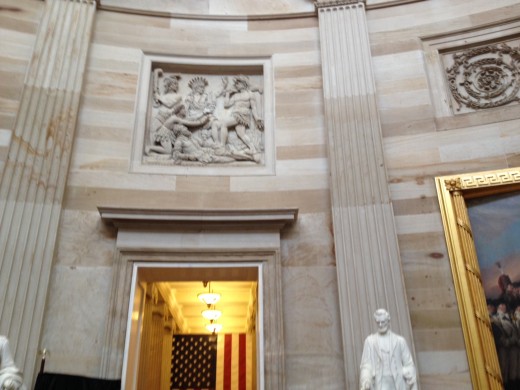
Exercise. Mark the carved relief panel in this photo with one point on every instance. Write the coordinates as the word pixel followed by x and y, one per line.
pixel 204 117
pixel 474 75
pixel 483 77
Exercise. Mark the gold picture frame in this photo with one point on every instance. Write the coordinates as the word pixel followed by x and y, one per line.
pixel 453 191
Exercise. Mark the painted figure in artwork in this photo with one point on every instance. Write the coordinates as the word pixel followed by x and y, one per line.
pixel 507 344
pixel 386 363
pixel 10 377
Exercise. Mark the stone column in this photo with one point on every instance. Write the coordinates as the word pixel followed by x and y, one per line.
pixel 166 370
pixel 156 347
pixel 367 254
pixel 152 337
pixel 33 181
pixel 146 340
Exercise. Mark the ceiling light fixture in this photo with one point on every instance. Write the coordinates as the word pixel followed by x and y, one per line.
pixel 213 327
pixel 211 314
pixel 209 298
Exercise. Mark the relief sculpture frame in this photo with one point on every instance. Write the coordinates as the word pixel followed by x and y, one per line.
pixel 204 116
pixel 454 193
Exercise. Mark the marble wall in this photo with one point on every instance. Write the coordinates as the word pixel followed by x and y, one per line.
pixel 19 22
pixel 99 175
pixel 418 147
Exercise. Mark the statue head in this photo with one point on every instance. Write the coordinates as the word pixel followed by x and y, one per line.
pixel 171 83
pixel 241 82
pixel 382 318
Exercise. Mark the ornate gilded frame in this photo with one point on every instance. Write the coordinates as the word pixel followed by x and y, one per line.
pixel 453 192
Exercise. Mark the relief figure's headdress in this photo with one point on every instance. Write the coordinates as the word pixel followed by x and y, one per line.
pixel 196 81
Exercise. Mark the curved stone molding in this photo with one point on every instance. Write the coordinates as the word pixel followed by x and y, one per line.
pixel 198 116
pixel 484 77
pixel 235 10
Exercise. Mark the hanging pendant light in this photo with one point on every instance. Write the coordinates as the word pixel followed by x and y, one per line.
pixel 210 297
pixel 213 327
pixel 211 314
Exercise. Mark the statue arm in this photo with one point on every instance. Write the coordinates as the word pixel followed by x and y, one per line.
pixel 6 359
pixel 10 375
pixel 254 99
pixel 409 373
pixel 187 122
pixel 195 122
pixel 157 73
pixel 366 372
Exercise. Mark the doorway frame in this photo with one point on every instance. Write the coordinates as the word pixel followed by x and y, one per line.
pixel 131 355
pixel 194 236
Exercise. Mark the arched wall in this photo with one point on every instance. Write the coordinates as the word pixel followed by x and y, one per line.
pixel 418 146
pixel 99 175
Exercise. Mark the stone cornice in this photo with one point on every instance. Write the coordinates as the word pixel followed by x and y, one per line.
pixel 197 219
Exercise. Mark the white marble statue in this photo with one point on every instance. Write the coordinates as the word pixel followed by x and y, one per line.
pixel 10 377
pixel 386 363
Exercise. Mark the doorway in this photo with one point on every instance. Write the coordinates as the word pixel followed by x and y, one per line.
pixel 168 344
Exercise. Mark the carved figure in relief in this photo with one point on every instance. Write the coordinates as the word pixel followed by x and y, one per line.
pixel 243 104
pixel 386 363
pixel 176 121
pixel 198 102
pixel 161 135
pixel 189 149
pixel 10 377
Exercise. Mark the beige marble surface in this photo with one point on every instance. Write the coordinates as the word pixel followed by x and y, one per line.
pixel 417 147
pixel 74 337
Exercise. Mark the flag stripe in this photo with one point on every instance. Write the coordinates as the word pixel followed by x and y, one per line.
pixel 235 362
pixel 228 353
pixel 242 357
pixel 251 369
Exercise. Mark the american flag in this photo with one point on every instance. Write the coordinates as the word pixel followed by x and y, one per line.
pixel 200 363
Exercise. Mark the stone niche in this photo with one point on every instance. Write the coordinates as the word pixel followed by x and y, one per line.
pixel 204 117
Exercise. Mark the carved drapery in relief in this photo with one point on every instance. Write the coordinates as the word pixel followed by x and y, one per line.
pixel 196 120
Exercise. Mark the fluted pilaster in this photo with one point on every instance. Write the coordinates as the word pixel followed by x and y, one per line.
pixel 33 181
pixel 167 351
pixel 146 341
pixel 367 255
pixel 152 341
